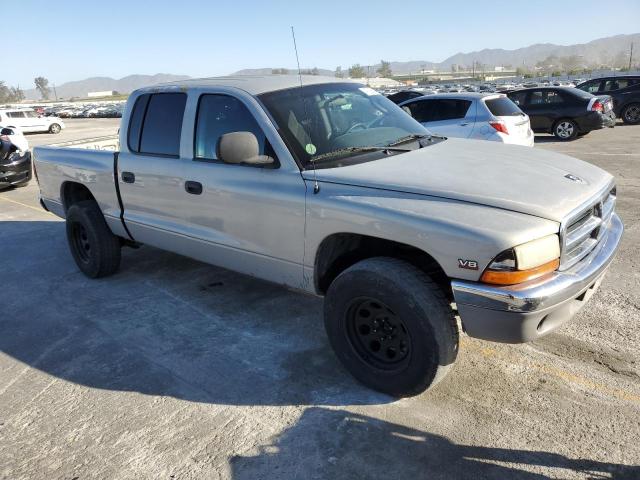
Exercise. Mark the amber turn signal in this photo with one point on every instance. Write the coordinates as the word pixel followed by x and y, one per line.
pixel 511 277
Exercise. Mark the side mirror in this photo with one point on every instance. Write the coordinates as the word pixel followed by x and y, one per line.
pixel 7 131
pixel 241 147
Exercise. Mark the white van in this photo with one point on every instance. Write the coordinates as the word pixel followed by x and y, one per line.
pixel 28 121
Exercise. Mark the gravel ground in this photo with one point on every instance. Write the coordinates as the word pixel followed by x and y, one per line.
pixel 176 369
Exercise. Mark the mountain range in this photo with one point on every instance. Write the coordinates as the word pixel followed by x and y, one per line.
pixel 603 51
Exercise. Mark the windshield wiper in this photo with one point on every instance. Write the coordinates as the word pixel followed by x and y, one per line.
pixel 348 150
pixel 408 138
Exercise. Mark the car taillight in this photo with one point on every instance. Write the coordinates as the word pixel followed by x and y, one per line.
pixel 500 127
pixel 597 107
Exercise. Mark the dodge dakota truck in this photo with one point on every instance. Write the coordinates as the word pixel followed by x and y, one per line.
pixel 325 186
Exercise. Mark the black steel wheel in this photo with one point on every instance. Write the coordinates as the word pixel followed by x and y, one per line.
pixel 377 334
pixel 94 247
pixel 391 326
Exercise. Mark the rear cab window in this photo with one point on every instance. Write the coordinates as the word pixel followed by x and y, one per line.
pixel 502 107
pixel 155 125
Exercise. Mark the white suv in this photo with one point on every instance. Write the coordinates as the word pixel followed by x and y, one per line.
pixel 28 121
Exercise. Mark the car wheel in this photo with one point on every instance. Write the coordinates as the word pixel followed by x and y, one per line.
pixel 565 129
pixel 391 326
pixel 631 114
pixel 94 247
pixel 54 128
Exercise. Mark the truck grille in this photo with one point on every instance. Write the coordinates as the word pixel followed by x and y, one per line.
pixel 582 231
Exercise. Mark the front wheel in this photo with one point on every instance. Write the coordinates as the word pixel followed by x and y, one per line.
pixel 94 247
pixel 565 130
pixel 54 128
pixel 631 114
pixel 391 326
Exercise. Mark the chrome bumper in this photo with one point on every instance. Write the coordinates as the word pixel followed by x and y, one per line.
pixel 520 313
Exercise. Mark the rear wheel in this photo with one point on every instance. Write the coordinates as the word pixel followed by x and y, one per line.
pixel 54 128
pixel 631 114
pixel 391 326
pixel 94 247
pixel 565 129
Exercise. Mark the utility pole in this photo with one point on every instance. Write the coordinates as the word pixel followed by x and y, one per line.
pixel 630 56
pixel 55 92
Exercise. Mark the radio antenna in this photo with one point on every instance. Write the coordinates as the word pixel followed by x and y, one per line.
pixel 316 186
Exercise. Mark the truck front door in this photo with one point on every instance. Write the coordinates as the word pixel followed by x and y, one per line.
pixel 246 217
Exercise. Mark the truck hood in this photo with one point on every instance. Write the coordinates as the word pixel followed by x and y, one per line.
pixel 520 179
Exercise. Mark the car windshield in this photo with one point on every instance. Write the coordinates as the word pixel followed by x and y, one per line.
pixel 317 120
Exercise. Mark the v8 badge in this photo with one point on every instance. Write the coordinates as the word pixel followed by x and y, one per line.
pixel 468 264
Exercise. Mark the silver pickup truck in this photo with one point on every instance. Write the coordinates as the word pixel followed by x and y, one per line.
pixel 325 186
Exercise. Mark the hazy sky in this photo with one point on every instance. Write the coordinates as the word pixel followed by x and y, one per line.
pixel 73 39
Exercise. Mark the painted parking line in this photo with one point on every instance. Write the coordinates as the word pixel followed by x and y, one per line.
pixel 37 209
pixel 557 372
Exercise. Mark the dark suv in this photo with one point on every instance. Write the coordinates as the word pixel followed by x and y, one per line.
pixel 625 92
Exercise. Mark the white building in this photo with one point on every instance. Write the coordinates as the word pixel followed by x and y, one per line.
pixel 106 93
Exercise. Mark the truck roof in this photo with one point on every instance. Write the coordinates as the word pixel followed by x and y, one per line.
pixel 253 84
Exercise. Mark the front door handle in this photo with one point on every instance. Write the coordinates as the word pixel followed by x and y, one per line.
pixel 128 177
pixel 194 188
pixel 464 124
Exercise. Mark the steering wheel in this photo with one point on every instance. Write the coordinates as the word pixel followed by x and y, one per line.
pixel 356 126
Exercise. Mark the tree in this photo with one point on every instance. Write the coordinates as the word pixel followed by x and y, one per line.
pixel 339 72
pixel 356 71
pixel 10 94
pixel 279 71
pixel 42 84
pixel 385 69
pixel 315 71
pixel 17 94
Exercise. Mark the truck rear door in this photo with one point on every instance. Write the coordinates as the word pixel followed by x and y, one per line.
pixel 151 170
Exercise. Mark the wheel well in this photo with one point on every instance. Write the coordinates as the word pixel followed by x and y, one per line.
pixel 72 192
pixel 341 250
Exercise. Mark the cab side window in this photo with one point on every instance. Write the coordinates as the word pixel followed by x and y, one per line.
pixel 616 84
pixel 156 124
pixel 219 115
pixel 15 114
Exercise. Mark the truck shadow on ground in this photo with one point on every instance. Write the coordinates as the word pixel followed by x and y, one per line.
pixel 165 325
pixel 336 444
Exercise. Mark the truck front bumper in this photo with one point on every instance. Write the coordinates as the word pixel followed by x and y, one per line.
pixel 525 312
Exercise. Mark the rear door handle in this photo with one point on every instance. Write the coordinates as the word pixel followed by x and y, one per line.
pixel 464 124
pixel 128 177
pixel 194 188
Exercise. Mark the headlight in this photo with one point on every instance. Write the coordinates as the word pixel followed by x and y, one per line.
pixel 524 262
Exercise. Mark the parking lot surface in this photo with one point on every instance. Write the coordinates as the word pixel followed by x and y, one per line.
pixel 177 369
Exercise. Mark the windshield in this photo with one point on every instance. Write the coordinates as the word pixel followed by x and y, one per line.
pixel 317 120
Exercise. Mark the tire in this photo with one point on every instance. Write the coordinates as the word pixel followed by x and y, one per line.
pixel 413 317
pixel 95 249
pixel 54 128
pixel 565 130
pixel 631 114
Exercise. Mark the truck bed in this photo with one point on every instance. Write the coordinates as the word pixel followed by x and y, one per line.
pixel 91 163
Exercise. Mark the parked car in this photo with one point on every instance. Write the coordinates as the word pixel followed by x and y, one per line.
pixel 625 92
pixel 405 95
pixel 564 111
pixel 15 136
pixel 482 116
pixel 28 121
pixel 328 187
pixel 15 165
